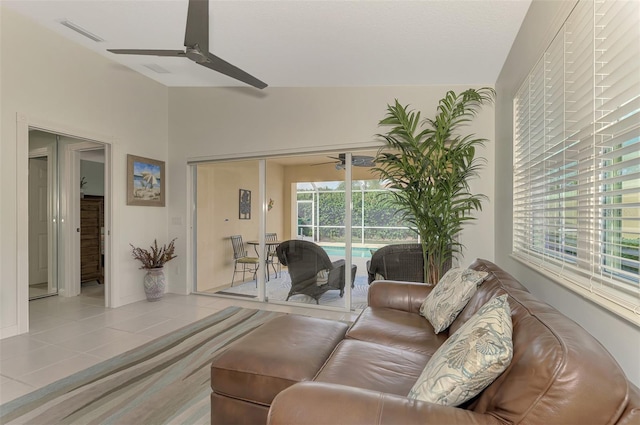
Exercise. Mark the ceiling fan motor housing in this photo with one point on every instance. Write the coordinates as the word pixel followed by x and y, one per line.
pixel 195 54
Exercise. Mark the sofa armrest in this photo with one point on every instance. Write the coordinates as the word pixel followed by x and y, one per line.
pixel 323 403
pixel 631 414
pixel 405 296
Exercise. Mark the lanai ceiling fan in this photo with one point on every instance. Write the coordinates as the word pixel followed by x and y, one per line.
pixel 356 161
pixel 196 42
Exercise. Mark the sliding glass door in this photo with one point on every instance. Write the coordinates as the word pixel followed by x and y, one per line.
pixel 295 201
pixel 227 210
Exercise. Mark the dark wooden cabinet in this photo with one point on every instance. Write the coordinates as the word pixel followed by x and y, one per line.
pixel 91 224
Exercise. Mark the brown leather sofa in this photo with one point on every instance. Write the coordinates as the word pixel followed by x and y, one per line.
pixel 559 373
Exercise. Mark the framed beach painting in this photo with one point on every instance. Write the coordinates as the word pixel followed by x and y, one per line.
pixel 145 181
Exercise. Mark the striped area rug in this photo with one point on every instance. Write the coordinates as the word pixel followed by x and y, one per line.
pixel 165 381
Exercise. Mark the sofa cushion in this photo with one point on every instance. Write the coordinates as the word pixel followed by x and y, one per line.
pixel 471 359
pixel 450 295
pixel 379 368
pixel 281 352
pixel 396 328
pixel 496 283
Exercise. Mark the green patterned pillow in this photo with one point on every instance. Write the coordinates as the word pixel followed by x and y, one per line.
pixel 450 295
pixel 471 359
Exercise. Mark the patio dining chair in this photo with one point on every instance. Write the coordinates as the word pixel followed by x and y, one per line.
pixel 241 261
pixel 272 256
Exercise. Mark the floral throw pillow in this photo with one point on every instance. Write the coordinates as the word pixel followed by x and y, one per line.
pixel 450 296
pixel 471 359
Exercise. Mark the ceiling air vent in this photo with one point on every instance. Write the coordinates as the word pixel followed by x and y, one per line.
pixel 81 30
pixel 156 68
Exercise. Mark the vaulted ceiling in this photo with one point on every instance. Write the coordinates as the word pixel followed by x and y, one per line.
pixel 294 43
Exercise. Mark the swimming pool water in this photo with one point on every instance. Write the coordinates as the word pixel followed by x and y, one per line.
pixel 356 252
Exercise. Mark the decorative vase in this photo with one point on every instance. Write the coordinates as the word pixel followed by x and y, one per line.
pixel 154 284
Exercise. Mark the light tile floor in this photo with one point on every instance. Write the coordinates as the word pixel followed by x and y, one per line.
pixel 71 334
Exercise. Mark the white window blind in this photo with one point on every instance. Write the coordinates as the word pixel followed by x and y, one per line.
pixel 576 158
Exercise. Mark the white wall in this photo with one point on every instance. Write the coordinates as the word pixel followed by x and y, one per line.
pixel 619 336
pixel 222 122
pixel 66 86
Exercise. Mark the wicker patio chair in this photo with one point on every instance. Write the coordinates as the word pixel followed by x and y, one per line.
pixel 398 262
pixel 312 272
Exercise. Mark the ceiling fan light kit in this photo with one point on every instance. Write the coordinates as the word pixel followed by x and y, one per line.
pixel 196 42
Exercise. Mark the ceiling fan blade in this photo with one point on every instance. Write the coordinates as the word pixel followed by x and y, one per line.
pixel 232 71
pixel 196 41
pixel 180 53
pixel 197 31
pixel 362 161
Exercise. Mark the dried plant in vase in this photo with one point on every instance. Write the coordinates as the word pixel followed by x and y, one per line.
pixel 155 257
pixel 153 260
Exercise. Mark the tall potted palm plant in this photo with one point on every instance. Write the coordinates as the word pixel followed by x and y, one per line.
pixel 428 165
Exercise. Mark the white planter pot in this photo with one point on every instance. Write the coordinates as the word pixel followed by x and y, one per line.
pixel 154 284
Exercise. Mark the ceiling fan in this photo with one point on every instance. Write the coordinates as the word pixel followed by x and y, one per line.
pixel 356 161
pixel 196 42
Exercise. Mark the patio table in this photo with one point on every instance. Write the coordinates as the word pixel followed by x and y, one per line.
pixel 268 246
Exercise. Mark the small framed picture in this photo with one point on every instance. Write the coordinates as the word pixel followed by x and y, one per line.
pixel 145 181
pixel 245 204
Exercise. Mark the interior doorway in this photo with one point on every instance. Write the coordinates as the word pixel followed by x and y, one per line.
pixel 67 180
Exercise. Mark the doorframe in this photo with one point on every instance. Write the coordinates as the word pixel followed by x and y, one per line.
pixel 23 124
pixel 192 198
pixel 72 284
